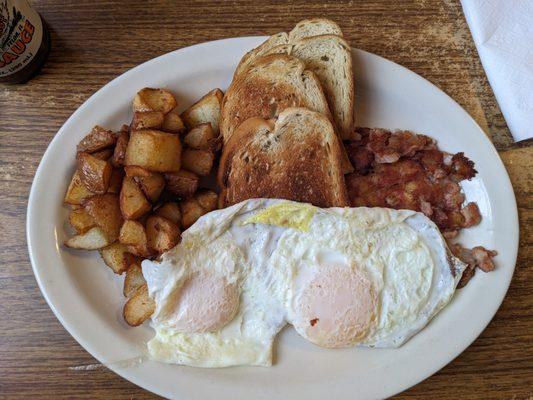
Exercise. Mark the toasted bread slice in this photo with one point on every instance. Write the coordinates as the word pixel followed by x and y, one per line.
pixel 296 158
pixel 268 86
pixel 330 58
pixel 279 40
pixel 314 27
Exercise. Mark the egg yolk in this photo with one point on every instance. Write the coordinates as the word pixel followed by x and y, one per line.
pixel 335 308
pixel 205 303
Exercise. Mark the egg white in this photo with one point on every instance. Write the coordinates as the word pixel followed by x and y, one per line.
pixel 269 247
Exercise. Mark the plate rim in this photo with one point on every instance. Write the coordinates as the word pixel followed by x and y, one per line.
pixel 30 215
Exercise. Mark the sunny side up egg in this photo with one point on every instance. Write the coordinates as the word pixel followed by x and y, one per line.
pixel 341 276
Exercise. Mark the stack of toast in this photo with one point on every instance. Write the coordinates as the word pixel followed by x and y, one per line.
pixel 284 117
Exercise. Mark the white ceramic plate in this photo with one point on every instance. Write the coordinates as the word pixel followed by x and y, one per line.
pixel 86 296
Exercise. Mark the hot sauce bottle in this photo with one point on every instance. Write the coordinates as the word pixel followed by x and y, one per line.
pixel 24 41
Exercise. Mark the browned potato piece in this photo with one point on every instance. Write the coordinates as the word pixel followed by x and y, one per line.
pixel 120 148
pixel 154 150
pixel 94 173
pixel 199 137
pixel 149 99
pixel 80 220
pixel 198 161
pixel 115 257
pixel 182 183
pixel 139 307
pixel 207 199
pixel 191 210
pixel 76 192
pixel 207 109
pixel 103 154
pixel 151 183
pixel 105 210
pixel 133 203
pixel 162 234
pixel 147 119
pixel 98 139
pixel 133 235
pixel 93 239
pixel 134 279
pixel 173 123
pixel 170 211
pixel 115 183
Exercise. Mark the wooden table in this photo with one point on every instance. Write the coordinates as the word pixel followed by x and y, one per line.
pixel 93 42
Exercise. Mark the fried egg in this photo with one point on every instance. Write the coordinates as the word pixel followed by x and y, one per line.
pixel 341 277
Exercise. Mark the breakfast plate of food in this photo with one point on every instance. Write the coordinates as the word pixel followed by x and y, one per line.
pixel 272 217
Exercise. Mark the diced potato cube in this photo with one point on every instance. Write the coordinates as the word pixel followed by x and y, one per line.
pixel 207 199
pixel 173 123
pixel 207 109
pixel 80 220
pixel 139 307
pixel 149 99
pixel 115 183
pixel 93 239
pixel 199 137
pixel 104 154
pixel 133 203
pixel 151 183
pixel 191 210
pixel 120 149
pixel 198 161
pixel 154 150
pixel 105 211
pixel 162 234
pixel 115 257
pixel 170 211
pixel 134 279
pixel 133 235
pixel 94 173
pixel 147 119
pixel 77 192
pixel 98 139
pixel 182 183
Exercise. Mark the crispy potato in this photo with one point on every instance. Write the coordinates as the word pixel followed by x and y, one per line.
pixel 133 203
pixel 139 307
pixel 104 154
pixel 76 192
pixel 207 109
pixel 133 235
pixel 115 183
pixel 98 139
pixel 162 234
pixel 116 257
pixel 120 149
pixel 134 279
pixel 198 161
pixel 191 210
pixel 93 239
pixel 154 150
pixel 170 211
pixel 149 99
pixel 207 199
pixel 147 119
pixel 80 220
pixel 173 123
pixel 151 183
pixel 94 173
pixel 182 183
pixel 105 210
pixel 199 136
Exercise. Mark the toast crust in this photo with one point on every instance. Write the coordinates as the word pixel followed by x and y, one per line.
pixel 297 158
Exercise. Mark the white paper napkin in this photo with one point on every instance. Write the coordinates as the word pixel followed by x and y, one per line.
pixel 503 34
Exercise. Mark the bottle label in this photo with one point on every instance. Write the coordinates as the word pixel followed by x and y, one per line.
pixel 21 34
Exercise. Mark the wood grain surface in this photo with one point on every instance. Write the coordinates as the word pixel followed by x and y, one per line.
pixel 95 41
